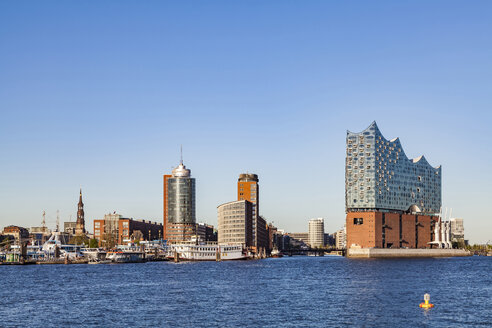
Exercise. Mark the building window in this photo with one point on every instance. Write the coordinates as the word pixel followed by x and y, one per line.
pixel 358 221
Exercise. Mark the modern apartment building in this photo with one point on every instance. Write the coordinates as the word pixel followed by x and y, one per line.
pixel 391 201
pixel 316 237
pixel 235 223
pixel 457 229
pixel 179 205
pixel 341 239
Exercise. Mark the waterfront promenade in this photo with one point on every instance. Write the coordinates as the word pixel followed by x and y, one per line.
pixel 296 291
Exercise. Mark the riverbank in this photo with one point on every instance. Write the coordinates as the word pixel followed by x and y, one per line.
pixel 405 252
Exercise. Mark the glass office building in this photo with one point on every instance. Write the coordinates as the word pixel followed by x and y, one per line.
pixel 181 197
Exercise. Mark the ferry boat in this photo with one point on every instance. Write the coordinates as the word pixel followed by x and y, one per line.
pixel 206 252
pixel 120 256
pixel 94 253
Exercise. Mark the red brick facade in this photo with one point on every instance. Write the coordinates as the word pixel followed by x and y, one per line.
pixel 389 230
pixel 408 226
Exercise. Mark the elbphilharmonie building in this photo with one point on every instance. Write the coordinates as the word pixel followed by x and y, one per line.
pixel 391 201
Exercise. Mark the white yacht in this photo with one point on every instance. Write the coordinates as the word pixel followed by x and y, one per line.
pixel 57 240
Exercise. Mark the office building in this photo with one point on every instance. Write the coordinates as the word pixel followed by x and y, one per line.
pixel 235 223
pixel 316 234
pixel 391 201
pixel 179 205
pixel 248 189
pixel 301 236
pixel 18 233
pixel 330 239
pixel 262 234
pixel 206 232
pixel 69 227
pixel 280 240
pixel 39 234
pixel 165 202
pixel 272 231
pixel 131 230
pixel 115 229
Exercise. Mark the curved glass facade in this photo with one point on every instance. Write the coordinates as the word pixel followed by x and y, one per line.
pixel 181 200
pixel 379 176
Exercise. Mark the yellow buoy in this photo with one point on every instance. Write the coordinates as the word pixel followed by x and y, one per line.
pixel 426 304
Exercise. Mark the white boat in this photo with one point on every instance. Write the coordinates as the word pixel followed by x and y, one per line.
pixel 206 252
pixel 276 253
pixel 125 256
pixel 94 253
pixel 66 250
pixel 97 261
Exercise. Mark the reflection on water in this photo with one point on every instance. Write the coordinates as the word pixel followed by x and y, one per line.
pixel 286 292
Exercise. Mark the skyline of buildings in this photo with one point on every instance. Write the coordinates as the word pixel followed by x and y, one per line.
pixel 412 93
pixel 386 193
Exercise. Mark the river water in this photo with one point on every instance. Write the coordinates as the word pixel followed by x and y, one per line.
pixel 287 292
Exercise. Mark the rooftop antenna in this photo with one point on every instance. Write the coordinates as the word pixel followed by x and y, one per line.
pixel 181 154
pixel 57 220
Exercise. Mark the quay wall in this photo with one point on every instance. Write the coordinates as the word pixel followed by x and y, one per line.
pixel 404 252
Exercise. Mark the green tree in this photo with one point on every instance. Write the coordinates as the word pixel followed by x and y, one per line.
pixel 93 243
pixel 79 240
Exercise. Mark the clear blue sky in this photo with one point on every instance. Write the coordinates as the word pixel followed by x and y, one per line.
pixel 101 94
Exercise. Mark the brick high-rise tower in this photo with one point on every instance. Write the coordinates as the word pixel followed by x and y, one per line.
pixel 80 224
pixel 248 189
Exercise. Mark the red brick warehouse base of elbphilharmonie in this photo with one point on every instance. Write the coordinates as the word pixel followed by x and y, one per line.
pixel 389 230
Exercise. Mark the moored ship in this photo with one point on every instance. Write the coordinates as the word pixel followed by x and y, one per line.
pixel 206 252
pixel 120 256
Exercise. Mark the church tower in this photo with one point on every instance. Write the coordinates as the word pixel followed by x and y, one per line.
pixel 80 224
